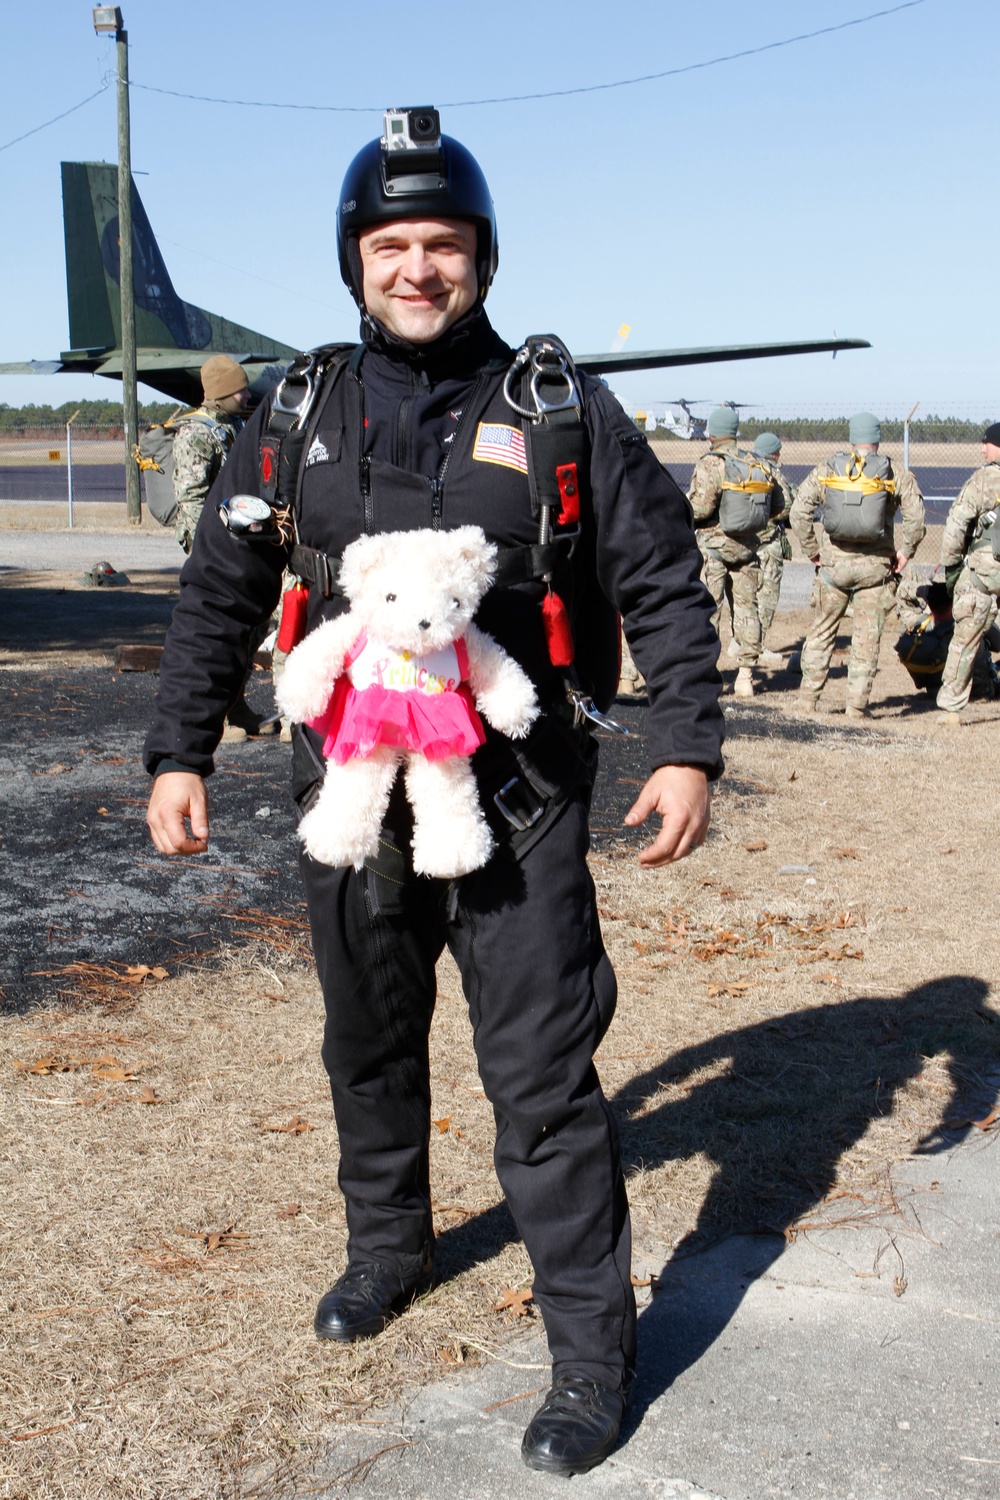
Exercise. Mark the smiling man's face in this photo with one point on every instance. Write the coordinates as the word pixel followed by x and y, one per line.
pixel 419 275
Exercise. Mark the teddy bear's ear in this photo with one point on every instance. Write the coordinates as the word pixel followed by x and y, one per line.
pixel 471 547
pixel 361 559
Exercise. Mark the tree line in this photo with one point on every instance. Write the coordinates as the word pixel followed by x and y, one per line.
pixel 930 429
pixel 91 414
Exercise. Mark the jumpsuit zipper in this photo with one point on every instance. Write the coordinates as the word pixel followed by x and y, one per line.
pixel 365 463
pixel 437 484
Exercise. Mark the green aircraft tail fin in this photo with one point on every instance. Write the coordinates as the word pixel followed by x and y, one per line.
pixel 163 320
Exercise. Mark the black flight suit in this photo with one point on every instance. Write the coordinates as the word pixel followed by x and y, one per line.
pixel 393 448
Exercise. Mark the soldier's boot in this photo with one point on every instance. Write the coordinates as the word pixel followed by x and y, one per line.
pixel 854 711
pixel 771 659
pixel 241 721
pixel 950 720
pixel 807 703
pixel 743 686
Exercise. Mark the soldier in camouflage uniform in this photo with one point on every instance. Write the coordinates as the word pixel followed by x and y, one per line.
pixel 925 613
pixel 861 569
pixel 969 552
pixel 732 565
pixel 204 438
pixel 773 547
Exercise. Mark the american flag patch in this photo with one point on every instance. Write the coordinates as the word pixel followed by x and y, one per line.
pixel 498 444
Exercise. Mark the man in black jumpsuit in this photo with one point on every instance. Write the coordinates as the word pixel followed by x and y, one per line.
pixel 414 430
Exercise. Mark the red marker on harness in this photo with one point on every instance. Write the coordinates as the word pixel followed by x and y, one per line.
pixel 569 494
pixel 558 634
pixel 292 628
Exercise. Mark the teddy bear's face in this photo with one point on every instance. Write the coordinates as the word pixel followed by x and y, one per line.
pixel 418 590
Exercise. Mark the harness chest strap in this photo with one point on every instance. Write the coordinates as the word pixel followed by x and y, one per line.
pixel 514 565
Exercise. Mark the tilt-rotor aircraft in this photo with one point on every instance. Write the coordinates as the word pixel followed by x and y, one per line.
pixel 174 337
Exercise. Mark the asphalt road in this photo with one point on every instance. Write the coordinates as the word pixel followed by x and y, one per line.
pixel 106 482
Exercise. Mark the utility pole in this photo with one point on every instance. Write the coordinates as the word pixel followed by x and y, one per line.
pixel 906 435
pixel 108 18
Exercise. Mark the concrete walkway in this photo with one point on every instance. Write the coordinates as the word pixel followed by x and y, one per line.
pixel 58 551
pixel 857 1363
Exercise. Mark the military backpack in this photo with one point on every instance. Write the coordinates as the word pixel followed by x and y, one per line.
pixel 745 502
pixel 154 453
pixel 856 497
pixel 988 528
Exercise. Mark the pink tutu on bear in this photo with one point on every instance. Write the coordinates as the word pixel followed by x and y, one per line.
pixel 401 701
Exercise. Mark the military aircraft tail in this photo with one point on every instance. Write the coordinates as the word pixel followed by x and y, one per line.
pixel 163 319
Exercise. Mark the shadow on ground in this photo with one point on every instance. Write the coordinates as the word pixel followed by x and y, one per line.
pixel 72 619
pixel 776 1150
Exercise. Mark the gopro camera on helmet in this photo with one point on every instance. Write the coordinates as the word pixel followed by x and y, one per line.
pixel 412 159
pixel 412 129
pixel 411 172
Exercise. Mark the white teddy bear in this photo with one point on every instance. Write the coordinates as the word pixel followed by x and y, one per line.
pixel 395 682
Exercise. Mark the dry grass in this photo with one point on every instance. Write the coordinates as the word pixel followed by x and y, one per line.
pixel 780 1040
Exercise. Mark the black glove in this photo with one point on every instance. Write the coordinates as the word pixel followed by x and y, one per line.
pixel 952 573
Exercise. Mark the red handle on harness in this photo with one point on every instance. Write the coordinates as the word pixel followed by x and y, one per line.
pixel 558 635
pixel 569 494
pixel 293 618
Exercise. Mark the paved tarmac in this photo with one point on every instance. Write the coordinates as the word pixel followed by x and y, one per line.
pixel 77 550
pixel 856 1363
pixel 41 551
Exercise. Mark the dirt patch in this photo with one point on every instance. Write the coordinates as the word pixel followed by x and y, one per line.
pixel 802 1003
pixel 53 619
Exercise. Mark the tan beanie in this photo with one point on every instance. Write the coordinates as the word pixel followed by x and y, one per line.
pixel 221 377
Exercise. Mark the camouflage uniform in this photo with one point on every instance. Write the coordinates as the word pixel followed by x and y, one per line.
pixel 199 453
pixel 774 550
pixel 732 567
pixel 978 587
pixel 861 574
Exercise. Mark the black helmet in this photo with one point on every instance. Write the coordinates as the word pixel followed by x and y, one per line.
pixel 441 181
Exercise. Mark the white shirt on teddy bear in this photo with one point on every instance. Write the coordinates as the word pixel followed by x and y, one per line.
pixel 376 665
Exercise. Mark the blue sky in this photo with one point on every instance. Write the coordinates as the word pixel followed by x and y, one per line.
pixel 847 182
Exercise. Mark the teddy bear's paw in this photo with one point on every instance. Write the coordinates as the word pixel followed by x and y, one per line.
pixel 300 696
pixel 510 711
pixel 331 845
pixel 452 847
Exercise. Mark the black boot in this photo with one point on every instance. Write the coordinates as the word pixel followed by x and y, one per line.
pixel 364 1300
pixel 575 1428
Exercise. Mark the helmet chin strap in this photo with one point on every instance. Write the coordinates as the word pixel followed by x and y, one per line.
pixel 374 332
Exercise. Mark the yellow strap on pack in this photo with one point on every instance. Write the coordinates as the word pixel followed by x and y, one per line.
pixel 908 660
pixel 143 462
pixel 857 480
pixel 751 486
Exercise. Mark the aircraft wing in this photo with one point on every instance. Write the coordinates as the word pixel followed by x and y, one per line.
pixel 709 354
pixel 35 367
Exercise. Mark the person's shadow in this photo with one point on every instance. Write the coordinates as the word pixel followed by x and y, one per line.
pixel 785 1099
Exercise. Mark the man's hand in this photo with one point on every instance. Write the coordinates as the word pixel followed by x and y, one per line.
pixel 901 561
pixel 680 795
pixel 178 795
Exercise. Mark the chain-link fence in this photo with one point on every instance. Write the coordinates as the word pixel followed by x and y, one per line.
pixel 63 478
pixel 51 479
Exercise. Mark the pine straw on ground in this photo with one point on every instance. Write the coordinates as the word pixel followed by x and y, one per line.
pixel 781 1039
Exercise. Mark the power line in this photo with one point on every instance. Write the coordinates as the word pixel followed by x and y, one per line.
pixel 72 110
pixel 241 271
pixel 593 88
